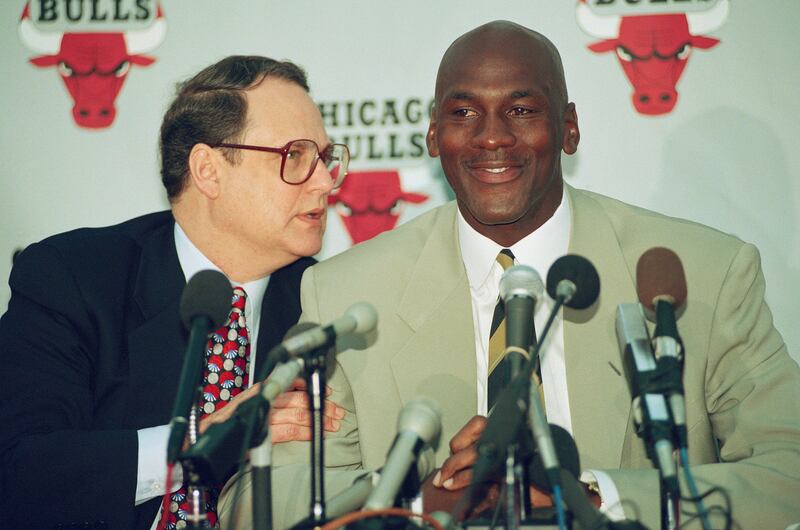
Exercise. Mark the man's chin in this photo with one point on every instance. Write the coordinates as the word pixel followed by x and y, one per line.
pixel 308 249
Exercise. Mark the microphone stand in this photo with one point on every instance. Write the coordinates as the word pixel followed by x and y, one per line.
pixel 517 505
pixel 315 376
pixel 194 487
pixel 314 372
pixel 526 372
pixel 261 460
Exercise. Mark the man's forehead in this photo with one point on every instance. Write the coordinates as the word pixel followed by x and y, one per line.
pixel 514 56
pixel 279 111
pixel 514 75
pixel 467 93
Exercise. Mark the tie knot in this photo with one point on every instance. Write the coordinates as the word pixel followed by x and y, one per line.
pixel 505 258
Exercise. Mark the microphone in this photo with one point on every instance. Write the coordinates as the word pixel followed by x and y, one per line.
pixel 217 451
pixel 650 410
pixel 211 457
pixel 419 424
pixel 359 318
pixel 574 280
pixel 573 493
pixel 566 455
pixel 205 304
pixel 354 497
pixel 661 287
pixel 543 437
pixel 520 289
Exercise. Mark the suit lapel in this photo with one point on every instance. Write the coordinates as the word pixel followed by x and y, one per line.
pixel 280 308
pixel 437 307
pixel 156 337
pixel 599 400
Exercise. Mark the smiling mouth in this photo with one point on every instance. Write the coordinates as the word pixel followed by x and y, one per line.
pixel 495 173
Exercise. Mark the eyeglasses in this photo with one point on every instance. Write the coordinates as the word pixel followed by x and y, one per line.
pixel 299 159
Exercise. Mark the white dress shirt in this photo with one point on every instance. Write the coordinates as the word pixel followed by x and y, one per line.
pixel 538 250
pixel 152 476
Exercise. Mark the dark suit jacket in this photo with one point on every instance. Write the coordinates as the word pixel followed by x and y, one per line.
pixel 93 347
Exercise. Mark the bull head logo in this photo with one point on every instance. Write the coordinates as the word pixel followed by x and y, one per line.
pixel 370 202
pixel 653 49
pixel 93 65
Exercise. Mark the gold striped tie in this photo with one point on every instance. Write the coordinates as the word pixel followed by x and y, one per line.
pixel 499 371
pixel 498 376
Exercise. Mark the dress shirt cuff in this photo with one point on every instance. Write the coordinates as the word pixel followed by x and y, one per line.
pixel 152 469
pixel 610 504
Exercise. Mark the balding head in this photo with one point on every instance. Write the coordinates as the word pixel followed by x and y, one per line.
pixel 505 39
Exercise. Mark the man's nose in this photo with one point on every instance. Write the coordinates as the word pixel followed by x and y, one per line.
pixel 321 179
pixel 494 132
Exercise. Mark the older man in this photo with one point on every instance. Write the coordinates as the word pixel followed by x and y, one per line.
pixel 92 340
pixel 501 121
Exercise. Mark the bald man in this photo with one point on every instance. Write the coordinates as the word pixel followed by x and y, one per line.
pixel 501 121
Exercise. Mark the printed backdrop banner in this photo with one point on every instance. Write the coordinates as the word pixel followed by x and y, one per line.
pixel 688 107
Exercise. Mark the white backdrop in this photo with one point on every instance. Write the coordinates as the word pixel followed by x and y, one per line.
pixel 726 155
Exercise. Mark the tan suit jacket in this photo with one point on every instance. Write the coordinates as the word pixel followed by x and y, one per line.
pixel 742 388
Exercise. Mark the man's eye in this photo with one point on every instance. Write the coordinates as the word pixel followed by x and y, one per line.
pixel 464 113
pixel 520 111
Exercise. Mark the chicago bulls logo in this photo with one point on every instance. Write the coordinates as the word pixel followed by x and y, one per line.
pixel 370 202
pixel 92 64
pixel 653 49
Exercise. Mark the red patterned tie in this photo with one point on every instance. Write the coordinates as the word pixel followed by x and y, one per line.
pixel 225 376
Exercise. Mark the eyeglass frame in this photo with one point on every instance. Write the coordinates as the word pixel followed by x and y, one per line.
pixel 284 151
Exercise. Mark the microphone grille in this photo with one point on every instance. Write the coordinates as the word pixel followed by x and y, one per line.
pixel 423 416
pixel 521 280
pixel 207 294
pixel 365 316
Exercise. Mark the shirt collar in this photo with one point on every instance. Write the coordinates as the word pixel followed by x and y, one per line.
pixel 193 261
pixel 539 249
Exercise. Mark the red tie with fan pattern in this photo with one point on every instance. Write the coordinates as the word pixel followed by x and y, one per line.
pixel 225 375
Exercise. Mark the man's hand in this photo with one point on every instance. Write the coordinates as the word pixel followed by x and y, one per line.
pixel 456 471
pixel 289 418
pixel 456 474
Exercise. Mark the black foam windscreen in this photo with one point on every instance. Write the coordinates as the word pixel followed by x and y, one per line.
pixel 207 294
pixel 567 453
pixel 581 273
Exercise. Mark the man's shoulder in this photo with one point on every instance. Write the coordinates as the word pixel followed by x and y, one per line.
pixel 636 224
pixel 132 230
pixel 90 249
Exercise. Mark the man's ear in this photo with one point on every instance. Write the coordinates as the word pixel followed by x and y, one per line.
pixel 572 134
pixel 204 170
pixel 430 138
